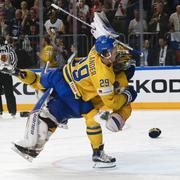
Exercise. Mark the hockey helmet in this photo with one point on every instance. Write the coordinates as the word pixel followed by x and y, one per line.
pixel 104 45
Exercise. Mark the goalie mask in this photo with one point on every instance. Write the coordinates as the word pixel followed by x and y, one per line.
pixel 8 59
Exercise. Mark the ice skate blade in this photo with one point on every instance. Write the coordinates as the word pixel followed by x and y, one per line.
pixel 102 165
pixel 25 156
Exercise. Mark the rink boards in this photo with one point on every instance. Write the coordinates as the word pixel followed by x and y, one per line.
pixel 157 87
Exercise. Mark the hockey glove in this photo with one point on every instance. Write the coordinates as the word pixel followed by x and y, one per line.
pixel 123 66
pixel 130 93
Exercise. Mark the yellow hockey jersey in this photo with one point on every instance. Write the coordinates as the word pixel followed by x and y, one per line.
pixel 92 78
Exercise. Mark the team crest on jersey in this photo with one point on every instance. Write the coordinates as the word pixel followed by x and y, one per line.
pixel 105 91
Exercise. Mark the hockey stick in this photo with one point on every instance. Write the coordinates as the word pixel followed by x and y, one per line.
pixel 134 51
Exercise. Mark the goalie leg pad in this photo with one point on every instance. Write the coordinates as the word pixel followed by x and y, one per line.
pixel 42 133
pixel 115 122
pixel 31 131
pixel 37 132
pixel 50 124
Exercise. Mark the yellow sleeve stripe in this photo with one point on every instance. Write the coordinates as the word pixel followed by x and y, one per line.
pixel 94 133
pixel 93 127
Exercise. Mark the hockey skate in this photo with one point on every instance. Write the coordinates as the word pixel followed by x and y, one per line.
pixel 101 159
pixel 26 153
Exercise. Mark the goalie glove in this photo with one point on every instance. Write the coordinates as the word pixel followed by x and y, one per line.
pixel 123 66
pixel 130 93
pixel 8 59
pixel 130 72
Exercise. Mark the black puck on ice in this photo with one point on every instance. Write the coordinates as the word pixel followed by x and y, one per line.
pixel 24 114
pixel 154 132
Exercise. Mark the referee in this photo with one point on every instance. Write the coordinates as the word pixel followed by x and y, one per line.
pixel 6 85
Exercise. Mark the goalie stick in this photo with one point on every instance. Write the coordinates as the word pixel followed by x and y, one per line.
pixel 106 26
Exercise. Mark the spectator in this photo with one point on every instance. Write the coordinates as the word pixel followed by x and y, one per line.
pixel 172 4
pixel 84 14
pixel 15 25
pixel 36 5
pixel 165 5
pixel 109 10
pixel 30 27
pixel 69 28
pixel 158 22
pixel 120 19
pixel 17 3
pixel 25 24
pixel 24 9
pixel 63 16
pixel 165 55
pixel 9 40
pixel 148 54
pixel 53 24
pixel 97 6
pixel 26 44
pixel 1 3
pixel 134 29
pixel 132 4
pixel 83 8
pixel 9 11
pixel 4 28
pixel 47 8
pixel 174 20
pixel 175 43
pixel 134 25
pixel 30 24
pixel 61 52
pixel 48 53
pixel 24 60
pixel 122 7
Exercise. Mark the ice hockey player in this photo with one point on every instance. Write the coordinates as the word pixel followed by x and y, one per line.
pixel 93 79
pixel 106 86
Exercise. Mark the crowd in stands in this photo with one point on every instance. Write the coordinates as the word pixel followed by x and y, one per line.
pixel 20 26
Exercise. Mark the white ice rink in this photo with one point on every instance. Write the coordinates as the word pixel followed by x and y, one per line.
pixel 68 154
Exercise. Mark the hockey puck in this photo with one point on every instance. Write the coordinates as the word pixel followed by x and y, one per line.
pixel 24 114
pixel 154 132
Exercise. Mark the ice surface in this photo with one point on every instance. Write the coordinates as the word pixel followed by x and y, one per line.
pixel 68 153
